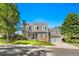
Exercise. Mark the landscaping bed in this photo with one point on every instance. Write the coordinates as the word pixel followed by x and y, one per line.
pixel 33 42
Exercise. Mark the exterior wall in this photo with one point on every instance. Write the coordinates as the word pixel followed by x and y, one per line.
pixel 27 35
pixel 39 36
pixel 42 37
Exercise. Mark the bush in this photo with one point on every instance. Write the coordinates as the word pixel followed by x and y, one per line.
pixel 21 42
pixel 76 41
pixel 32 42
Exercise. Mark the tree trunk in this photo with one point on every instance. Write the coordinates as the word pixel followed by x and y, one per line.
pixel 7 38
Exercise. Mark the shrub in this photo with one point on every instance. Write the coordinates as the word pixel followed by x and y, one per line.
pixel 76 41
pixel 32 42
pixel 21 42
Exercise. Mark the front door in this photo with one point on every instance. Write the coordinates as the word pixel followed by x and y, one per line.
pixel 35 36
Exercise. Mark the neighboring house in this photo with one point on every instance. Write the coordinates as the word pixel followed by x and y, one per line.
pixel 40 31
pixel 37 31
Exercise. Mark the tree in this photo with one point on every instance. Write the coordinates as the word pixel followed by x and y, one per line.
pixel 70 27
pixel 9 17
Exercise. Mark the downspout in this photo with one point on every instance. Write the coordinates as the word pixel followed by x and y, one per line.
pixel 49 35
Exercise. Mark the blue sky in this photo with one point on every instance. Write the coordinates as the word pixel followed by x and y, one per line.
pixel 51 13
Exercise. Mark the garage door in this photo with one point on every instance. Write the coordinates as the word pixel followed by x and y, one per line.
pixel 58 39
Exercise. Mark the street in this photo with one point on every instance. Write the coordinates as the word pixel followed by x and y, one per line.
pixel 13 50
pixel 65 52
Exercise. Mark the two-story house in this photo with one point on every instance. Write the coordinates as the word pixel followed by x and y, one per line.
pixel 41 32
pixel 36 31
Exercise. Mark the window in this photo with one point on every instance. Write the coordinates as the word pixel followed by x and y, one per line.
pixel 27 27
pixel 35 27
pixel 43 27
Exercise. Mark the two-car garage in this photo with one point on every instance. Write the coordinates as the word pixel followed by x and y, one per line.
pixel 56 39
pixel 55 35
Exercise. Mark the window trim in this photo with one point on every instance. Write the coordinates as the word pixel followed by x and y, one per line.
pixel 27 27
pixel 35 27
pixel 43 27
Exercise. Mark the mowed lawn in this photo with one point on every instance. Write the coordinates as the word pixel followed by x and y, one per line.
pixel 27 42
pixel 74 42
pixel 3 41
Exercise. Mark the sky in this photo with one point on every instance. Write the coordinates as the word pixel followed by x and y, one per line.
pixel 51 13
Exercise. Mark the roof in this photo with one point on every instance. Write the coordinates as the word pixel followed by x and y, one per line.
pixel 55 32
pixel 39 25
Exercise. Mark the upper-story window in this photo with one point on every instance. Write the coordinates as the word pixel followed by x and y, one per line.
pixel 35 27
pixel 43 27
pixel 27 27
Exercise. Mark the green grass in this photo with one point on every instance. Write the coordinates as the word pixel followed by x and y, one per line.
pixel 33 42
pixel 2 41
pixel 27 42
pixel 74 42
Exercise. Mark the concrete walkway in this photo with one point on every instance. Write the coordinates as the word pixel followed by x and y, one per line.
pixel 65 45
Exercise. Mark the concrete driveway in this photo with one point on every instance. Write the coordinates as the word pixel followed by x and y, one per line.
pixel 65 45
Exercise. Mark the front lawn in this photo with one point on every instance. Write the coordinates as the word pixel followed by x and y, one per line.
pixel 27 42
pixel 74 42
pixel 33 42
pixel 2 41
